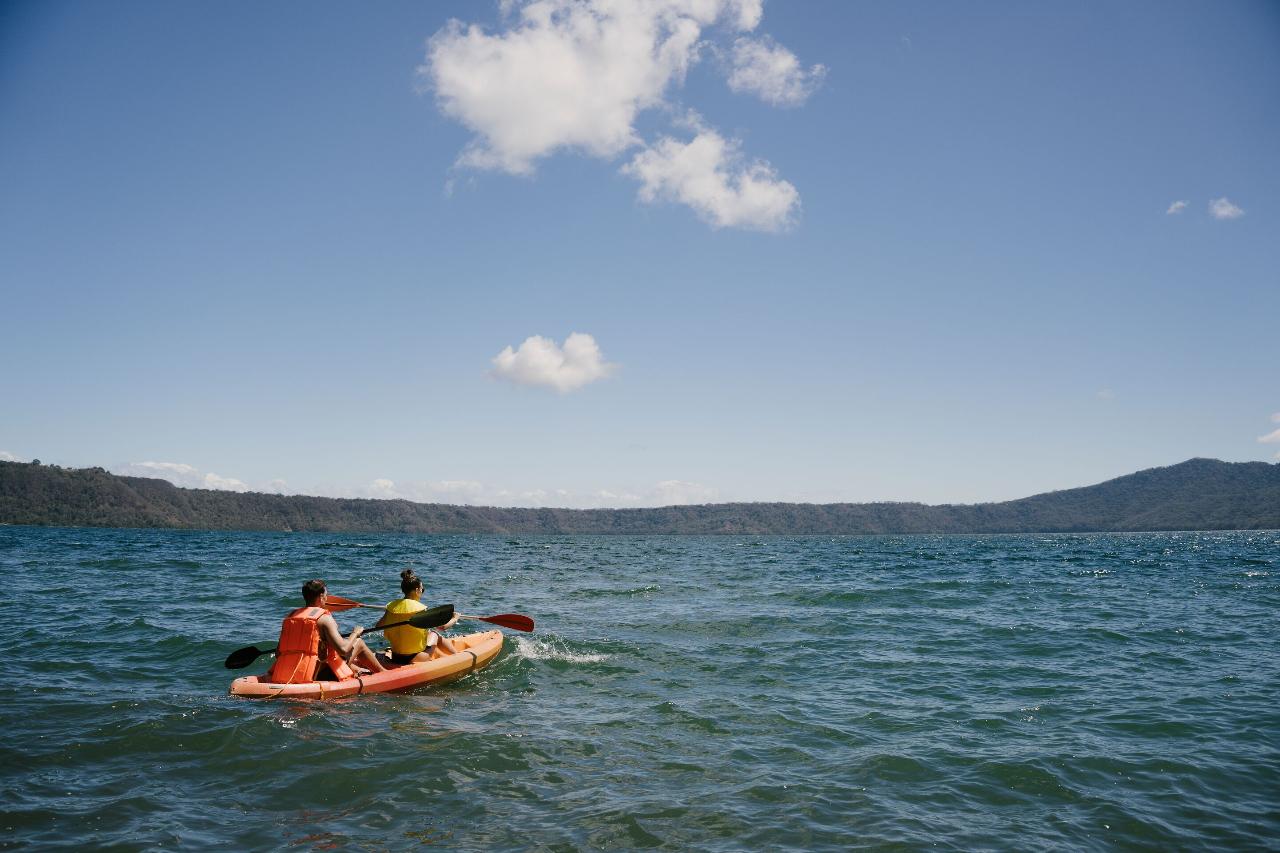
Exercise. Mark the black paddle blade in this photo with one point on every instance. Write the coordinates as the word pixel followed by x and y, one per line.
pixel 241 658
pixel 433 617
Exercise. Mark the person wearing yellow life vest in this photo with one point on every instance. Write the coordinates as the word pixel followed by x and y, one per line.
pixel 410 644
pixel 309 637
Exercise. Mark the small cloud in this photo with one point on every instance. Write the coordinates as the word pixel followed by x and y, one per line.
pixel 383 488
pixel 457 491
pixel 183 475
pixel 1106 394
pixel 473 493
pixel 541 362
pixel 6 456
pixel 1176 207
pixel 277 487
pixel 229 484
pixel 671 492
pixel 768 70
pixel 710 175
pixel 1275 419
pixel 1221 208
pixel 1270 438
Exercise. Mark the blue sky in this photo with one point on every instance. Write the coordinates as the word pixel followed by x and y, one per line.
pixel 551 254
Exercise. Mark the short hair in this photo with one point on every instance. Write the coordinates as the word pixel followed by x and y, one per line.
pixel 311 590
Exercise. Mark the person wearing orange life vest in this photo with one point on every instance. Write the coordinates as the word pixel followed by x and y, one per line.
pixel 309 636
pixel 410 644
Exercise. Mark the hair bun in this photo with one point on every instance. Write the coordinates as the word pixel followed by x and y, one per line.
pixel 408 575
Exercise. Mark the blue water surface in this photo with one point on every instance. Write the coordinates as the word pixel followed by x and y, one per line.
pixel 1074 692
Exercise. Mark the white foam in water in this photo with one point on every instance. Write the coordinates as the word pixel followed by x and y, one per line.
pixel 534 649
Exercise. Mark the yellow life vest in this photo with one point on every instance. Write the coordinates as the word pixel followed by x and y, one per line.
pixel 405 640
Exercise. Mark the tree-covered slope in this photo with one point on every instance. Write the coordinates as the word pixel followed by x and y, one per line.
pixel 1199 494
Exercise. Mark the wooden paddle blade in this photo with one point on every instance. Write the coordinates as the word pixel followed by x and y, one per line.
pixel 241 658
pixel 337 604
pixel 514 621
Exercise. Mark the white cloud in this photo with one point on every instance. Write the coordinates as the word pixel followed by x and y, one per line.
pixel 669 492
pixel 573 75
pixel 540 361
pixel 1272 437
pixel 1176 207
pixel 383 488
pixel 710 175
pixel 6 456
pixel 1106 394
pixel 767 69
pixel 231 484
pixel 473 493
pixel 568 74
pixel 181 474
pixel 1221 208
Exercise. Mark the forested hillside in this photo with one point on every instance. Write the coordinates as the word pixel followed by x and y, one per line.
pixel 1199 494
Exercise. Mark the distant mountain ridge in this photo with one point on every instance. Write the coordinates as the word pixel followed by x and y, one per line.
pixel 1199 494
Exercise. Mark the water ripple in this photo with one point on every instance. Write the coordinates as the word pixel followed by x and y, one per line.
pixel 807 693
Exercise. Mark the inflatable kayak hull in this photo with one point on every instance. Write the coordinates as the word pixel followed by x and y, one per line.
pixel 475 651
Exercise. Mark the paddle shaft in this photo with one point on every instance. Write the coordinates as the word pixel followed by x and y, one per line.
pixel 514 621
pixel 423 619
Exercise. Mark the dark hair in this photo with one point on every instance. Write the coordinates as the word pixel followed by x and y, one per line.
pixel 311 590
pixel 409 581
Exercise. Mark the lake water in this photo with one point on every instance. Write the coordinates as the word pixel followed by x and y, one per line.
pixel 1080 692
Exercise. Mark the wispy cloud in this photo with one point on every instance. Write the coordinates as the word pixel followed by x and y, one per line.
pixel 573 75
pixel 710 175
pixel 6 456
pixel 1274 436
pixel 541 362
pixel 1176 207
pixel 768 70
pixel 1222 208
pixel 670 492
pixel 1106 394
pixel 472 493
pixel 181 474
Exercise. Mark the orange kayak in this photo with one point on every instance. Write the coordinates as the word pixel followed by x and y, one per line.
pixel 475 651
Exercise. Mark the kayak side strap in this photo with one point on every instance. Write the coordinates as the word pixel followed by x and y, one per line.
pixel 474 660
pixel 361 689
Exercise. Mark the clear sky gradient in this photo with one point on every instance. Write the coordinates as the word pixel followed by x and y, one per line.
pixel 815 252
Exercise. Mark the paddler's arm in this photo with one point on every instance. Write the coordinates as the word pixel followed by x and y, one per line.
pixel 330 634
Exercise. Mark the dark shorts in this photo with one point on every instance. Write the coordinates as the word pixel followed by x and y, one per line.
pixel 396 657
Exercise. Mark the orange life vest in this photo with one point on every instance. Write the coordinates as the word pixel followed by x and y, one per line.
pixel 298 652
